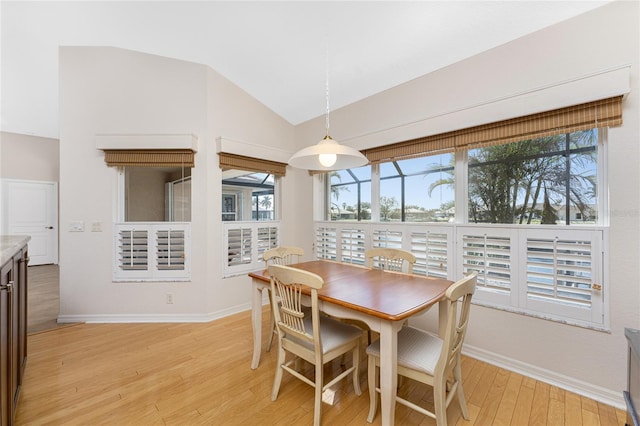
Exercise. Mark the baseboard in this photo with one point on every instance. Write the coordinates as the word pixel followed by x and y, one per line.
pixel 137 318
pixel 597 393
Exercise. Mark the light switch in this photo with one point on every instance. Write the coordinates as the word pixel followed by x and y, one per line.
pixel 96 226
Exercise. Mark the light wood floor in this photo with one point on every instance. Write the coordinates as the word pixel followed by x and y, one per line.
pixel 198 374
pixel 43 298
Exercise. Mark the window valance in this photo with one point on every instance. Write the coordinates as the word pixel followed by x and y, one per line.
pixel 149 157
pixel 602 113
pixel 240 162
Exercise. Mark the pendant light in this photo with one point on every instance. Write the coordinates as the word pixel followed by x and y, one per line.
pixel 328 154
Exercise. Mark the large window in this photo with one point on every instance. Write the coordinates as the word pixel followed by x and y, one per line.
pixel 516 221
pixel 549 180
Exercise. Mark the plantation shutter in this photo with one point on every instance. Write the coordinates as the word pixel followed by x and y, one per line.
pixel 326 243
pixel 352 242
pixel 430 250
pixel 490 256
pixel 133 250
pixel 239 246
pixel 385 238
pixel 170 248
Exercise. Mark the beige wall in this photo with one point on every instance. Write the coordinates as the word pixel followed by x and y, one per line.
pixel 106 90
pixel 114 91
pixel 509 78
pixel 29 157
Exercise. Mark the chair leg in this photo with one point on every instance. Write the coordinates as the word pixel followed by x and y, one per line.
pixel 356 370
pixel 278 379
pixel 272 324
pixel 372 379
pixel 440 401
pixel 457 376
pixel 317 406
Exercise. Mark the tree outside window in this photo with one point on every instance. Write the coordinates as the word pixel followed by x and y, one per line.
pixel 549 180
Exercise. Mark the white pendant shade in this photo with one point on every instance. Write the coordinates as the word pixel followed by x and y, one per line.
pixel 328 155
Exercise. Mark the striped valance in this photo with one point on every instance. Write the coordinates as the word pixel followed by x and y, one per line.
pixel 149 157
pixel 240 162
pixel 602 113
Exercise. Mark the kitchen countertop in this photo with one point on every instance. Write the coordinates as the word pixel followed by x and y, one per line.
pixel 10 244
pixel 633 336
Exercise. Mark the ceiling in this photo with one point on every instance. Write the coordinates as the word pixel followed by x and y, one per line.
pixel 279 52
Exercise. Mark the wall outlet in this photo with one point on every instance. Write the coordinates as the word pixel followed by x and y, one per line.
pixel 169 298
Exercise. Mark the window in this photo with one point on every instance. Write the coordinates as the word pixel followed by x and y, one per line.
pixel 350 195
pixel 247 195
pixel 418 189
pixel 152 241
pixel 249 213
pixel 520 201
pixel 550 180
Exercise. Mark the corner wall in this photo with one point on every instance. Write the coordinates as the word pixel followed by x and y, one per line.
pixel 106 90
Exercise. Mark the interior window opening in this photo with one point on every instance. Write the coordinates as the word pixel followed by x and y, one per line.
pixel 248 196
pixel 157 194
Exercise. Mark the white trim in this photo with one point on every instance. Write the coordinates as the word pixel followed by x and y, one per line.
pixel 248 149
pixel 147 141
pixel 554 95
pixel 153 318
pixel 598 393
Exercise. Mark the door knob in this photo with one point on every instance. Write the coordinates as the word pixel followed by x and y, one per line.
pixel 49 227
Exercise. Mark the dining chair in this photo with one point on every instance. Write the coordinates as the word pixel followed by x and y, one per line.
pixel 390 259
pixel 279 256
pixel 427 358
pixel 315 338
pixel 387 259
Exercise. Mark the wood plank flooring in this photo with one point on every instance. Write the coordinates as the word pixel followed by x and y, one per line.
pixel 198 374
pixel 43 298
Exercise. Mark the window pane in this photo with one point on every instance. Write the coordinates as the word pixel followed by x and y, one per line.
pixel 550 180
pixel 390 199
pixel 350 195
pixel 247 196
pixel 424 186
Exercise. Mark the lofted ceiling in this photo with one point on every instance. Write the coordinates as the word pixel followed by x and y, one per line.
pixel 279 52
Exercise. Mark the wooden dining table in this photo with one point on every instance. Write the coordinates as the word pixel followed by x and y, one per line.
pixel 383 300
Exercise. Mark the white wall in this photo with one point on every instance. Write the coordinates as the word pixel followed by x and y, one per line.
pixel 593 362
pixel 107 90
pixel 29 157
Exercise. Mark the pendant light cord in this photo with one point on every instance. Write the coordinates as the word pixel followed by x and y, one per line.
pixel 327 88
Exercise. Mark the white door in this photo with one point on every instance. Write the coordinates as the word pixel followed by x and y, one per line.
pixel 31 208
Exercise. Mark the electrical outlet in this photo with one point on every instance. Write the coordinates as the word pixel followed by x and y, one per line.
pixel 169 298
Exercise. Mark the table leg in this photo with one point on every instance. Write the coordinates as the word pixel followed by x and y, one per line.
pixel 442 317
pixel 388 370
pixel 256 321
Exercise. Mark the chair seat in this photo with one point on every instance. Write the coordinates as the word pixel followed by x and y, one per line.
pixel 417 349
pixel 333 333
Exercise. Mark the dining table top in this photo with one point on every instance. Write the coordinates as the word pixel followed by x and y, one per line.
pixel 392 296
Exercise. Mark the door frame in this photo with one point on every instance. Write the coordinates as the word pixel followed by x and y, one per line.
pixel 52 194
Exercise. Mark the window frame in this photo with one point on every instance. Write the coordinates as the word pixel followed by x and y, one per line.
pixel 256 236
pixel 154 272
pixel 516 301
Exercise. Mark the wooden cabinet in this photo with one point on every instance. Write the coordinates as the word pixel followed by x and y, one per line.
pixel 13 325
